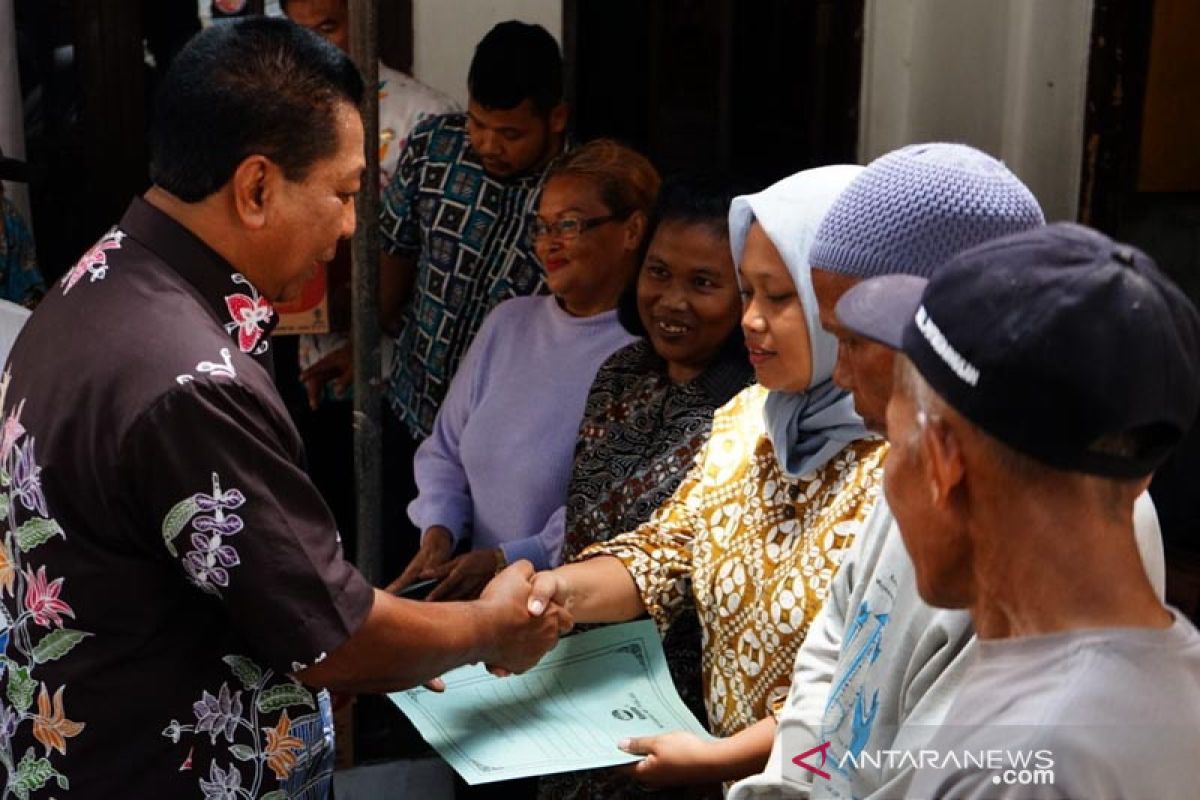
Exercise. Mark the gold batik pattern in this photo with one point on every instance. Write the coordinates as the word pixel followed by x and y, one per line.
pixel 752 551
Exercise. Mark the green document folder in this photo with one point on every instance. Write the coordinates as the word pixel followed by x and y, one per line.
pixel 567 713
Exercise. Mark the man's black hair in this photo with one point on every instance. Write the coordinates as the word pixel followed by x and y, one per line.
pixel 692 199
pixel 515 62
pixel 256 86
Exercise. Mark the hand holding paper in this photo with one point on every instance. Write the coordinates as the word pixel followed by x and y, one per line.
pixel 569 712
pixel 678 758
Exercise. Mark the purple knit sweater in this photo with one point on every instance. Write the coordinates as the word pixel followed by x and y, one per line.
pixel 498 461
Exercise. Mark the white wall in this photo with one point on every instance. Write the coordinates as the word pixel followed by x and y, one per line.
pixel 12 121
pixel 445 33
pixel 1007 76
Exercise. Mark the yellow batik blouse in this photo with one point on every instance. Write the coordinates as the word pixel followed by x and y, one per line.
pixel 752 551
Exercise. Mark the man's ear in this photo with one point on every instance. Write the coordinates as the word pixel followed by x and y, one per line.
pixel 252 190
pixel 558 118
pixel 943 457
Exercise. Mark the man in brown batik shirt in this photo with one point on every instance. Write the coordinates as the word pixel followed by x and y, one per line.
pixel 172 583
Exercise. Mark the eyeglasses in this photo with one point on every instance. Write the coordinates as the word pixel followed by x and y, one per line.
pixel 565 230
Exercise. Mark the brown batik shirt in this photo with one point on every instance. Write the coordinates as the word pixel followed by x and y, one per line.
pixel 166 564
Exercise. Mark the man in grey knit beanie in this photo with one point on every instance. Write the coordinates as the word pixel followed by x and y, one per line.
pixel 908 212
pixel 879 667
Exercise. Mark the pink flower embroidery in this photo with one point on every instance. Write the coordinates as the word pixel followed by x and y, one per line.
pixel 41 599
pixel 94 261
pixel 11 431
pixel 250 317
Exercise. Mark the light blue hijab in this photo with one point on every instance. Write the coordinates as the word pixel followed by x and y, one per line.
pixel 809 428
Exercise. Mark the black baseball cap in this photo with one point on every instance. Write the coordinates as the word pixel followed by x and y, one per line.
pixel 1061 343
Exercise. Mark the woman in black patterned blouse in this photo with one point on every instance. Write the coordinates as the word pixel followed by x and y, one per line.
pixel 650 410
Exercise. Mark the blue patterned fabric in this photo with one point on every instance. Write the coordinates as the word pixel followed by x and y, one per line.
pixel 467 232
pixel 20 280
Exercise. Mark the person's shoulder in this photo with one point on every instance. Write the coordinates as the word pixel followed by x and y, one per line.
pixel 12 317
pixel 510 320
pixel 448 131
pixel 634 361
pixel 863 457
pixel 524 309
pixel 167 337
pixel 414 94
pixel 984 784
pixel 744 411
pixel 234 413
pixel 738 427
pixel 628 369
pixel 437 139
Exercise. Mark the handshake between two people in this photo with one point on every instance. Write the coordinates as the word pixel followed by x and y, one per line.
pixel 545 604
pixel 530 621
pixel 543 600
pixel 519 614
pixel 522 612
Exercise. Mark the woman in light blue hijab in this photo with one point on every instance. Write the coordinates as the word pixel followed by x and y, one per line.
pixel 808 418
pixel 754 534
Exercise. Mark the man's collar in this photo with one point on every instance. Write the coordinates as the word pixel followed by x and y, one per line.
pixel 527 179
pixel 246 315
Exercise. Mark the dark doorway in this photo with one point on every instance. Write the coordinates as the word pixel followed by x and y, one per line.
pixel 1141 184
pixel 88 70
pixel 760 89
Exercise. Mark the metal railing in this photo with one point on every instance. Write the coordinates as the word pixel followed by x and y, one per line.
pixel 368 449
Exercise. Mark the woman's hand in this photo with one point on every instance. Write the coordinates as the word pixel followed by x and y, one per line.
pixel 673 759
pixel 463 578
pixel 436 546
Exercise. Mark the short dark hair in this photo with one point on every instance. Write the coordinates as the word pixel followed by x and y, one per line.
pixel 515 62
pixel 260 85
pixel 693 199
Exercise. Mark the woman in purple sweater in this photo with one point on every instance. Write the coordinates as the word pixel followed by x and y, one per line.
pixel 494 471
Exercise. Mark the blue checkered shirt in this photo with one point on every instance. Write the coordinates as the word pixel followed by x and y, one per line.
pixel 467 231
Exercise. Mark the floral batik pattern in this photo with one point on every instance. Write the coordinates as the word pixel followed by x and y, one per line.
pixel 33 629
pixel 208 563
pixel 292 752
pixel 250 317
pixel 94 262
pixel 750 551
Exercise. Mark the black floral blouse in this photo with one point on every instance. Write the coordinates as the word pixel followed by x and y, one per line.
pixel 639 436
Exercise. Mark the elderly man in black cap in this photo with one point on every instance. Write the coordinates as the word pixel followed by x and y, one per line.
pixel 1044 376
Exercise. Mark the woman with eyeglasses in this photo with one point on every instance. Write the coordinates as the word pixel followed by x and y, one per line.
pixel 492 476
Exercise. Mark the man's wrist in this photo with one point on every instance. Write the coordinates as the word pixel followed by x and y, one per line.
pixel 486 623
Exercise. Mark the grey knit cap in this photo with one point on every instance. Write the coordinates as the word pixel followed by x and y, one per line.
pixel 913 208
